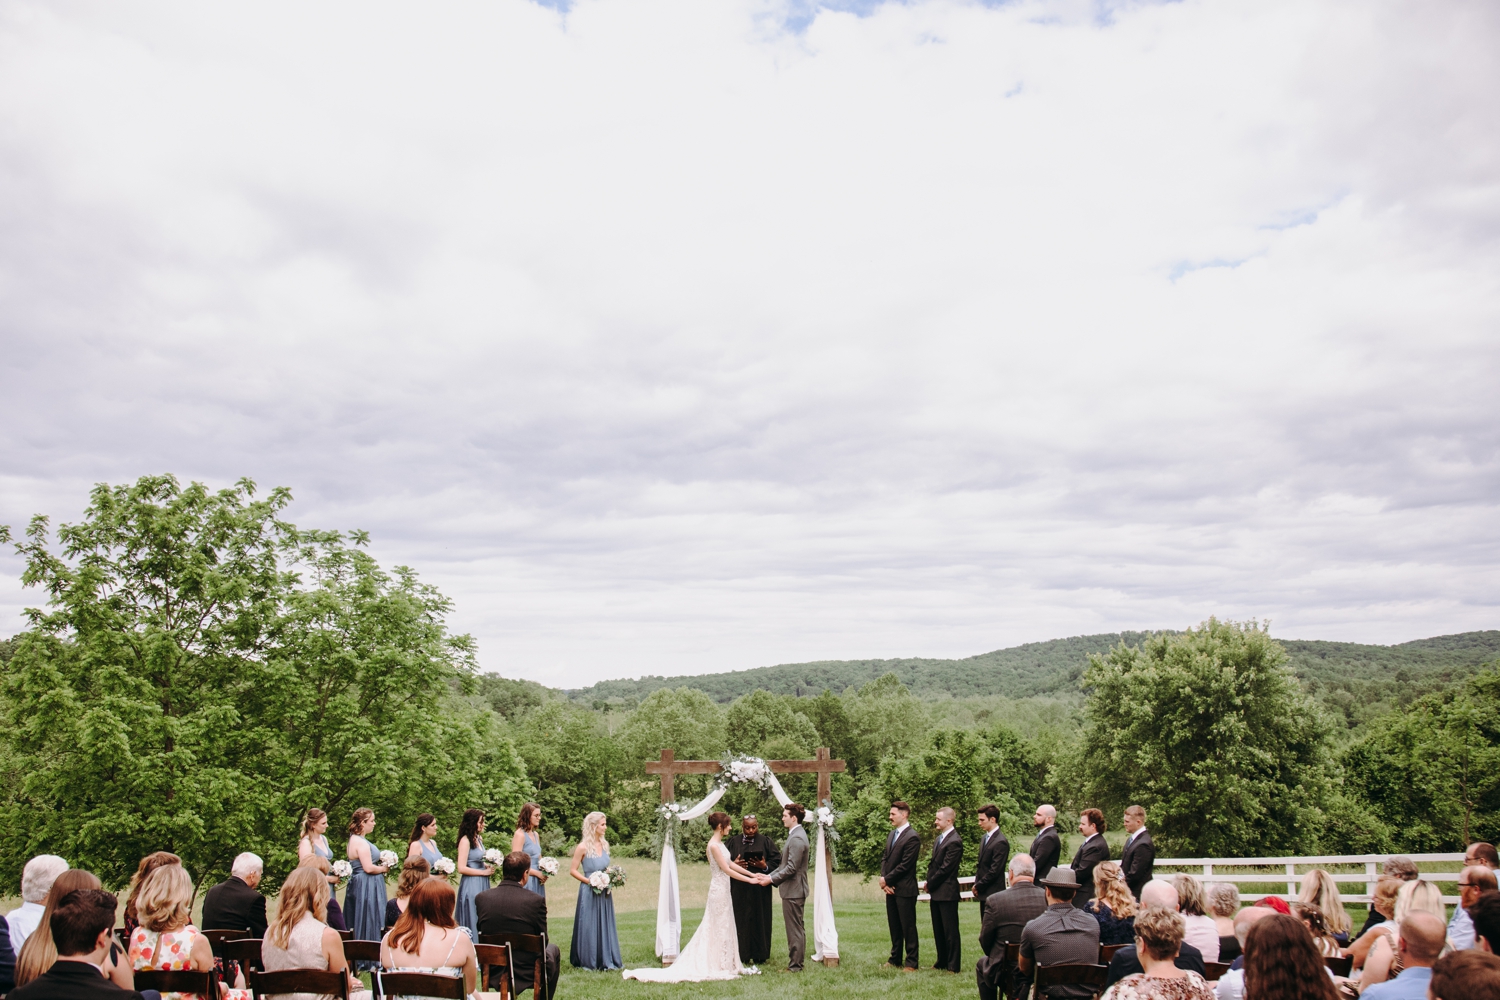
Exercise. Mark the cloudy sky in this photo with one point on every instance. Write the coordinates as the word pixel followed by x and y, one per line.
pixel 690 335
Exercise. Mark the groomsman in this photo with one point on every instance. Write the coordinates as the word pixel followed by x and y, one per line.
pixel 1046 847
pixel 942 891
pixel 1092 851
pixel 994 855
pixel 1139 857
pixel 898 880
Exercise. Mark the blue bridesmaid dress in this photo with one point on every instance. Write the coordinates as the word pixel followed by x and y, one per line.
pixel 470 886
pixel 595 943
pixel 430 851
pixel 364 900
pixel 533 851
pixel 326 853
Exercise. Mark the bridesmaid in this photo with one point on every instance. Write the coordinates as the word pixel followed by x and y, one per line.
pixel 421 843
pixel 364 900
pixel 595 943
pixel 525 842
pixel 476 874
pixel 314 843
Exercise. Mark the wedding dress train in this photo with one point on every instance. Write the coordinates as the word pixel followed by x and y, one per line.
pixel 714 951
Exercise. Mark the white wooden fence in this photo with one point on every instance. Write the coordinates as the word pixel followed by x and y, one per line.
pixel 1283 876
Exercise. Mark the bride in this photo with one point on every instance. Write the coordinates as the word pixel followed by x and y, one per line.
pixel 714 951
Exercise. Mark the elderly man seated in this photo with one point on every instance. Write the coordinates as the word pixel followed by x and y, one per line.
pixel 234 904
pixel 36 881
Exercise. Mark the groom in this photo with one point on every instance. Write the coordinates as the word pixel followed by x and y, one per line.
pixel 792 878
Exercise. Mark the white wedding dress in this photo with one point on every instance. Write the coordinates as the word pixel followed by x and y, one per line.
pixel 714 951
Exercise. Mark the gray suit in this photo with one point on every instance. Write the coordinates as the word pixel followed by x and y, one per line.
pixel 791 880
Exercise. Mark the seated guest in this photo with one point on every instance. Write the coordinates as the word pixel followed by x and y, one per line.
pixel 1400 868
pixel 511 908
pixel 413 873
pixel 82 924
pixel 1158 936
pixel 1113 904
pixel 1319 889
pixel 428 939
pixel 1422 939
pixel 1472 881
pixel 40 950
pixel 1384 961
pixel 7 962
pixel 1281 962
pixel 1312 916
pixel 335 912
pixel 148 864
pixel 234 905
pixel 1466 975
pixel 1383 903
pixel 1232 984
pixel 1202 932
pixel 300 937
pixel 166 939
pixel 1486 916
pixel 1005 915
pixel 1062 935
pixel 1160 894
pixel 36 881
pixel 1223 904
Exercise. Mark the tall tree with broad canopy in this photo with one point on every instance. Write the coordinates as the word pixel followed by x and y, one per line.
pixel 204 672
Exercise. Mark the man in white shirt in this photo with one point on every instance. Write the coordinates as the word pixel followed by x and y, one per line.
pixel 1479 859
pixel 36 881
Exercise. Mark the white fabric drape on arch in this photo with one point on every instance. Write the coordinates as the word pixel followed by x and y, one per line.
pixel 669 896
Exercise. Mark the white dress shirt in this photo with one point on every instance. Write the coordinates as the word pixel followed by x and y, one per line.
pixel 22 921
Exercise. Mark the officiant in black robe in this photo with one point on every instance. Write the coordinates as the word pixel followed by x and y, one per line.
pixel 757 853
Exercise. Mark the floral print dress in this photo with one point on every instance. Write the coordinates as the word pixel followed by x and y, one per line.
pixel 171 951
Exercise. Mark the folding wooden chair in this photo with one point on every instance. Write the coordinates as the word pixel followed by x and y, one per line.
pixel 1340 965
pixel 316 981
pixel 204 984
pixel 1082 974
pixel 1107 952
pixel 536 943
pixel 495 956
pixel 420 984
pixel 1214 971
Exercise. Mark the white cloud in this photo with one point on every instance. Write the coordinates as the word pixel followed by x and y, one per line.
pixel 667 337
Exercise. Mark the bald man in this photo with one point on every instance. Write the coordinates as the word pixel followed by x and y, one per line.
pixel 1422 938
pixel 1046 846
pixel 1157 894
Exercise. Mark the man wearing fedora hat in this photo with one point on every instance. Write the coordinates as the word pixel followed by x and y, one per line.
pixel 1062 935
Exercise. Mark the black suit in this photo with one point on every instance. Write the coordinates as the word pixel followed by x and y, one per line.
pixel 898 867
pixel 1127 963
pixel 1138 860
pixel 989 873
pixel 7 961
pixel 511 908
pixel 1085 860
pixel 1045 850
pixel 234 906
pixel 942 891
pixel 1006 914
pixel 70 979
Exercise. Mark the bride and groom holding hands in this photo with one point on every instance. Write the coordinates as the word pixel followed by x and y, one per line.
pixel 714 951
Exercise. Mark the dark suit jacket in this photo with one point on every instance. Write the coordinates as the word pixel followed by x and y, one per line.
pixel 898 866
pixel 511 908
pixel 1137 862
pixel 942 868
pixel 1087 857
pixel 989 873
pixel 1045 850
pixel 1006 914
pixel 68 980
pixel 1126 963
pixel 7 961
pixel 233 905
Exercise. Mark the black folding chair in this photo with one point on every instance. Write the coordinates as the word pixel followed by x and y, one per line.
pixel 1340 965
pixel 1082 974
pixel 205 984
pixel 419 984
pixel 317 981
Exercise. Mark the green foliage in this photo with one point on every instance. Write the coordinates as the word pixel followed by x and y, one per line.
pixel 1433 770
pixel 571 760
pixel 884 721
pixel 1208 730
pixel 186 690
pixel 509 698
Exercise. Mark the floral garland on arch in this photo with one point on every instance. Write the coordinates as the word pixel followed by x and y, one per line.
pixel 734 769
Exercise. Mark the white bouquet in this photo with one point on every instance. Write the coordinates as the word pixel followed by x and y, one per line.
pixel 599 882
pixel 389 858
pixel 547 866
pixel 494 857
pixel 825 816
pixel 443 867
pixel 341 870
pixel 744 770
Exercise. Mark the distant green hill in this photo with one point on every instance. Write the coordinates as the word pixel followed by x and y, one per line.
pixel 1364 673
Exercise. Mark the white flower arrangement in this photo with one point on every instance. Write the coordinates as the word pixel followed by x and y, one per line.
pixel 744 770
pixel 389 858
pixel 341 870
pixel 599 882
pixel 494 857
pixel 547 866
pixel 825 816
pixel 444 867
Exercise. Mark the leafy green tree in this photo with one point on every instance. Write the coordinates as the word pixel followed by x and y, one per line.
pixel 570 759
pixel 884 721
pixel 760 718
pixel 185 689
pixel 1209 731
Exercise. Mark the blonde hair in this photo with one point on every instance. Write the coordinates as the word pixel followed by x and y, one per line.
pixel 1319 889
pixel 1160 932
pixel 1419 896
pixel 413 873
pixel 165 901
pixel 303 892
pixel 1111 890
pixel 1384 897
pixel 40 951
pixel 593 837
pixel 1189 895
